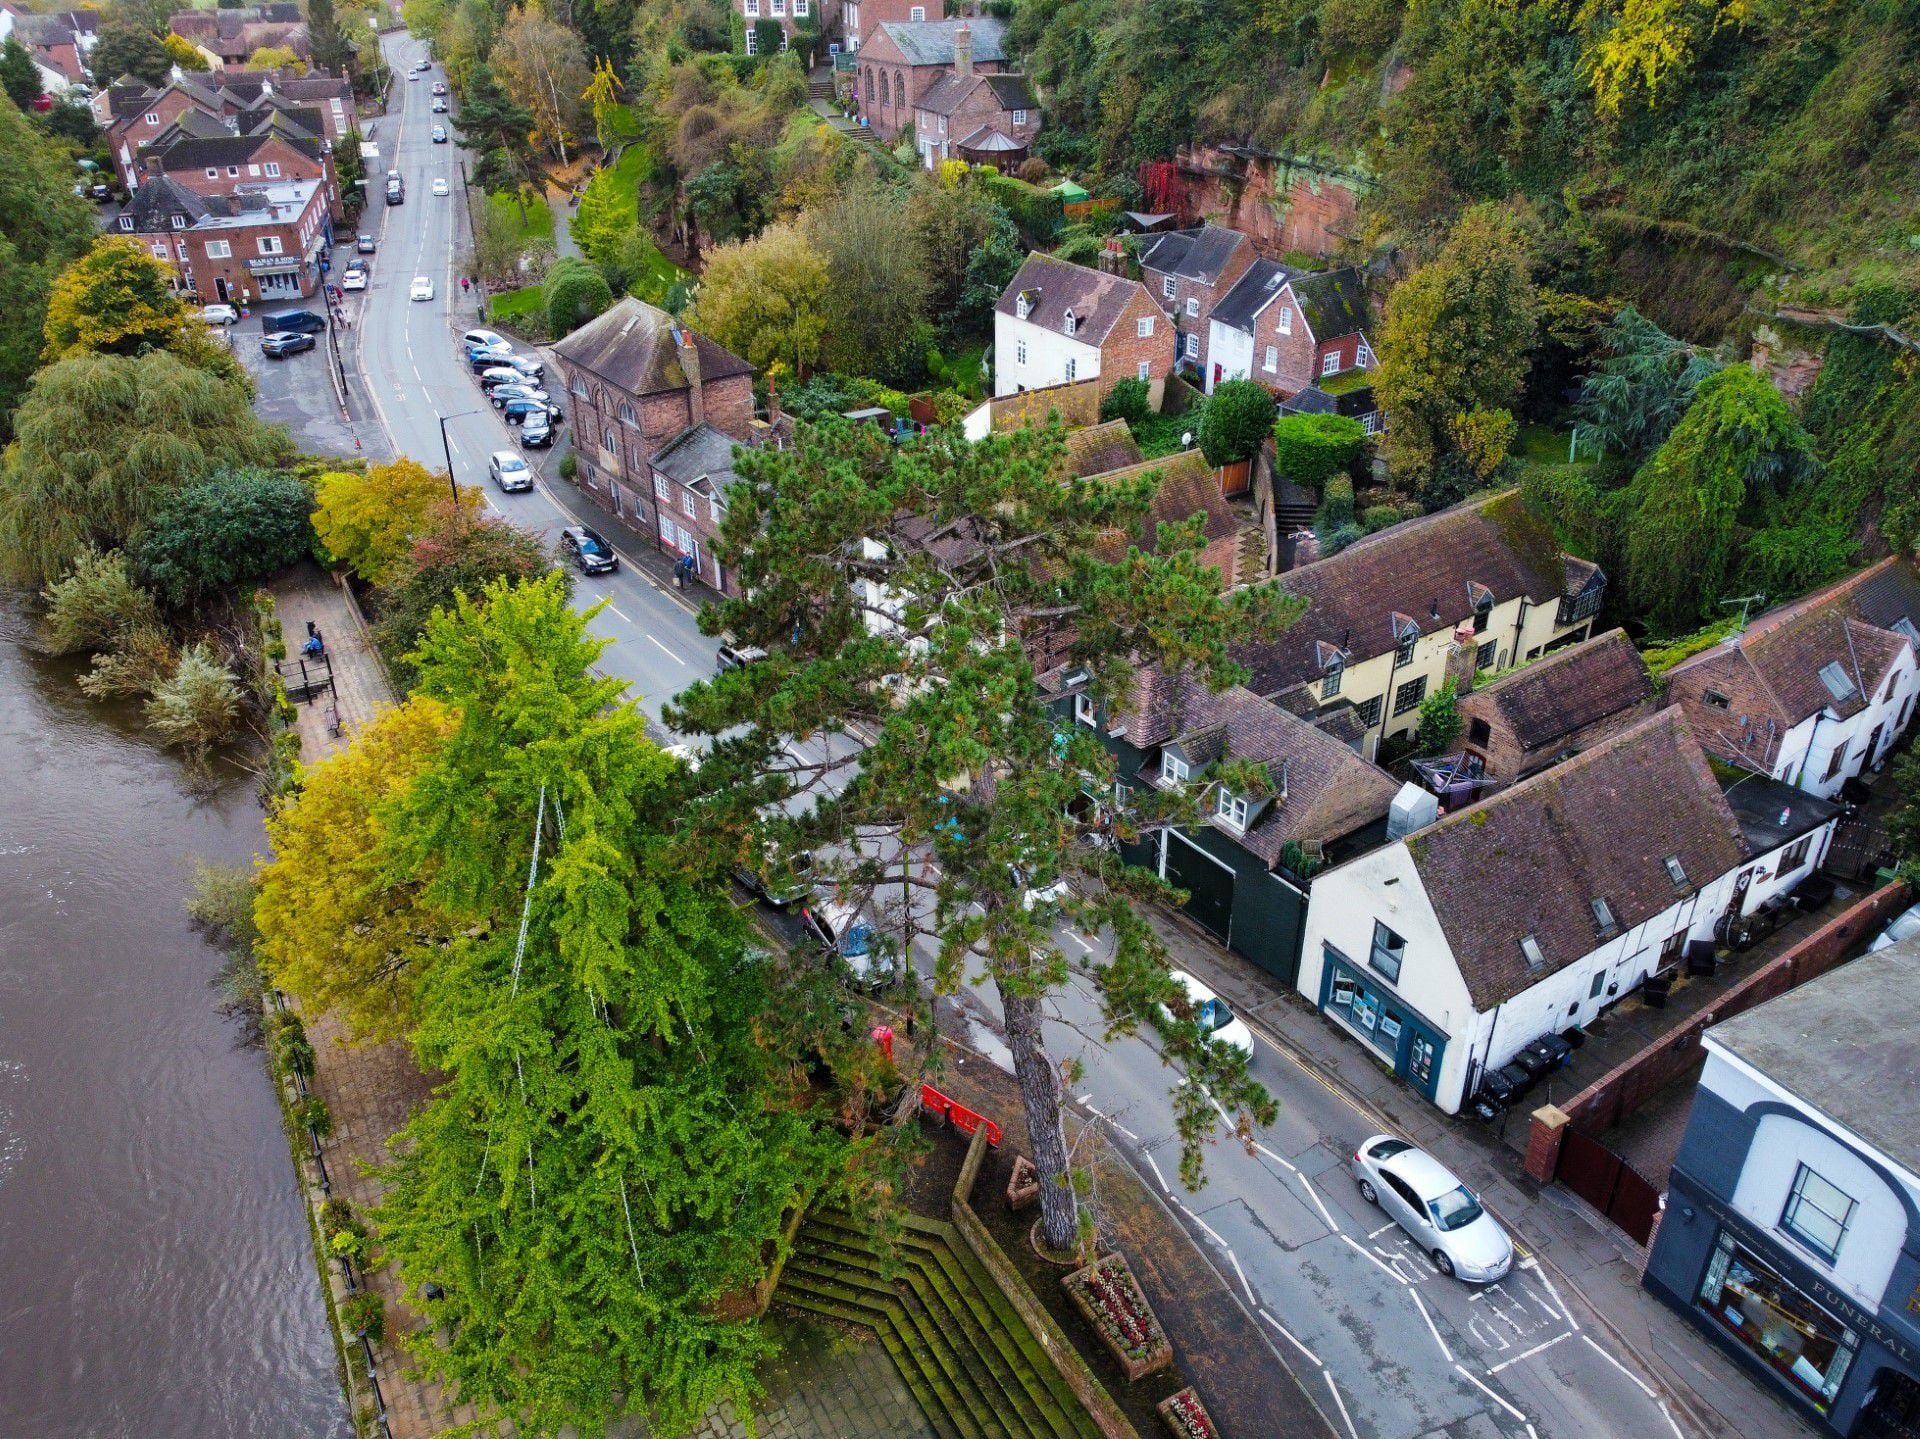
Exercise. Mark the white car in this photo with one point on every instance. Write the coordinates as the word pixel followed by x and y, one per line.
pixel 1905 925
pixel 1437 1211
pixel 685 753
pixel 474 339
pixel 1213 1014
pixel 219 315
pixel 421 289
pixel 354 280
pixel 440 187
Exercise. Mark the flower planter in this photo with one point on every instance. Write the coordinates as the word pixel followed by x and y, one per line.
pixel 1024 1187
pixel 1108 1295
pixel 1186 1416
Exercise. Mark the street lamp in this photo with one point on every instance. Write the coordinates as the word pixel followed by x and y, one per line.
pixel 447 449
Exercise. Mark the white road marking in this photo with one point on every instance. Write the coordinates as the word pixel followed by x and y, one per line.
pixel 1383 1229
pixel 1325 1213
pixel 1079 941
pixel 1645 1388
pixel 1565 1312
pixel 1432 1328
pixel 1667 1414
pixel 1210 1231
pixel 1531 1434
pixel 1529 1353
pixel 1488 1338
pixel 616 609
pixel 1276 1158
pixel 1243 1278
pixel 1384 1269
pixel 1288 1335
pixel 1158 1175
pixel 667 652
pixel 1469 1377
pixel 1345 1417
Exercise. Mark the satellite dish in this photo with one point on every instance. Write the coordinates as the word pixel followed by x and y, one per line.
pixel 1186 440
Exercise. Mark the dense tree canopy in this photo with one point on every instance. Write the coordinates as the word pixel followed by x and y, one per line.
pixel 232 528
pixel 766 299
pixel 114 300
pixel 369 519
pixel 43 225
pixel 129 48
pixel 19 76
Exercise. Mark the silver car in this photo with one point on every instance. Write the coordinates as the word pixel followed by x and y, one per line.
pixel 1438 1212
pixel 509 471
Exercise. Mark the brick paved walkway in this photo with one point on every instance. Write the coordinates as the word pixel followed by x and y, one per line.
pixel 825 1383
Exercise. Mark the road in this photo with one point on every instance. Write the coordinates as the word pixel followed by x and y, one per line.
pixel 1387 1347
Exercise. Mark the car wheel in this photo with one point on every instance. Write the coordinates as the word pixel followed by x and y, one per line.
pixel 1442 1263
pixel 1368 1192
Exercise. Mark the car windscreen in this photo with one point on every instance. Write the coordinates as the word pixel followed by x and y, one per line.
pixel 592 545
pixel 859 939
pixel 1213 1014
pixel 1455 1209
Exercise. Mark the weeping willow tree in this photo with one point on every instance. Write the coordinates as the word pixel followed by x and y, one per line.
pixel 607 1164
pixel 101 440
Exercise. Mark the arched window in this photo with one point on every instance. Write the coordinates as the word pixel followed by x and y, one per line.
pixel 886 90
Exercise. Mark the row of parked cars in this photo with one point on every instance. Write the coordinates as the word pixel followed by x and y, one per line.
pixel 514 385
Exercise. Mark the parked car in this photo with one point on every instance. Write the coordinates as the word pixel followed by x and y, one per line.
pixel 420 289
pixel 778 877
pixel 354 280
pixel 501 395
pixel 587 551
pixel 439 134
pixel 535 432
pixel 1437 1211
pixel 487 356
pixel 1904 925
pixel 219 315
pixel 515 411
pixel 1213 1014
pixel 732 656
pixel 396 194
pixel 440 186
pixel 840 929
pixel 356 264
pixel 279 345
pixel 365 244
pixel 509 471
pixel 525 364
pixel 302 321
pixel 439 107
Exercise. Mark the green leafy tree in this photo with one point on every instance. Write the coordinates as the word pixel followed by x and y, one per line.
pixel 541 64
pixel 1903 819
pixel 575 293
pixel 1638 392
pixel 43 225
pixel 905 592
pixel 497 126
pixel 603 95
pixel 607 1163
pixel 232 528
pixel 876 280
pixel 19 76
pixel 1455 339
pixel 1737 440
pixel 1128 400
pixel 369 519
pixel 1440 722
pixel 330 49
pixel 1311 449
pixel 1238 417
pixel 91 606
pixel 765 298
pixel 129 48
pixel 989 270
pixel 197 706
pixel 101 440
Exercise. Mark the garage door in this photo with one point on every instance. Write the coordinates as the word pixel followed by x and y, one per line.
pixel 1208 883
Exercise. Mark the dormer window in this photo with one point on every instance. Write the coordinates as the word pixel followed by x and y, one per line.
pixel 1071 324
pixel 179 222
pixel 1481 598
pixel 1403 652
pixel 1022 306
pixel 1173 770
pixel 1232 810
pixel 1331 676
pixel 126 223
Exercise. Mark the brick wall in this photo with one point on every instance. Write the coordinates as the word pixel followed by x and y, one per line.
pixel 1203 296
pixel 1125 348
pixel 1078 404
pixel 1622 1090
pixel 1296 355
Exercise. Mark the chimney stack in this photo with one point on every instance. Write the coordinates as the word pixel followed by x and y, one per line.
pixel 963 50
pixel 773 400
pixel 152 163
pixel 690 367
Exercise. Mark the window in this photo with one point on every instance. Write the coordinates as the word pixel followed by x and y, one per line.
pixel 179 222
pixel 1072 366
pixel 153 117
pixel 686 503
pixel 627 416
pixel 917 14
pixel 1403 652
pixel 1363 355
pixel 1479 732
pixel 1231 809
pixel 579 387
pixel 1795 856
pixel 1369 712
pixel 1599 983
pixel 219 250
pixel 1330 364
pixel 1746 1297
pixel 1146 371
pixel 1071 324
pixel 753 48
pixel 610 441
pixel 1271 360
pixel 1193 307
pixel 180 251
pixel 1143 327
pixel 1083 708
pixel 233 172
pixel 1530 951
pixel 1283 322
pixel 800 9
pixel 1484 656
pixel 1817 1213
pixel 753 9
pixel 1603 919
pixel 159 249
pixel 1717 701
pixel 1021 307
pixel 1482 612
pixel 1331 676
pixel 126 222
pixel 1019 117
pixel 943 130
pixel 1583 606
pixel 1835 760
pixel 269 244
pixel 1389 950
pixel 273 170
pixel 1409 695
pixel 1193 347
pixel 1166 287
pixel 1020 352
pixel 660 489
pixel 1676 871
pixel 1173 769
pixel 213 172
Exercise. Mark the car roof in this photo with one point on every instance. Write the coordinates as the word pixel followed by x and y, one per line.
pixel 508 457
pixel 1196 991
pixel 1428 1177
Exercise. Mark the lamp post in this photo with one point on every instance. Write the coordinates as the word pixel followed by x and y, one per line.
pixel 447 450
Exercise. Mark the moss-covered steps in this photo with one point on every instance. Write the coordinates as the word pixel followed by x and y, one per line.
pixel 969 1359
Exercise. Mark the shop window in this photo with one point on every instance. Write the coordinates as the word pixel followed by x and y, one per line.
pixel 1389 951
pixel 1800 1341
pixel 1817 1213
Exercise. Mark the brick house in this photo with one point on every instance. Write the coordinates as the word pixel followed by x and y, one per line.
pixel 982 119
pixel 638 379
pixel 1556 707
pixel 692 473
pixel 1291 331
pixel 1191 272
pixel 223 163
pixel 1057 323
pixel 862 19
pixel 135 115
pixel 260 242
pixel 900 63
pixel 228 38
pixel 793 17
pixel 59 44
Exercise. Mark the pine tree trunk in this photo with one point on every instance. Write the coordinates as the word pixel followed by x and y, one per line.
pixel 1040 1097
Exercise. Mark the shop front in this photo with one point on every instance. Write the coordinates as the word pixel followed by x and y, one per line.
pixel 1404 1038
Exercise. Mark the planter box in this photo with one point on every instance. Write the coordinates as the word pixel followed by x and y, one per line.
pixel 1109 1297
pixel 1186 1416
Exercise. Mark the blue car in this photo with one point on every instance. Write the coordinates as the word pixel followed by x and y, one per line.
pixel 515 411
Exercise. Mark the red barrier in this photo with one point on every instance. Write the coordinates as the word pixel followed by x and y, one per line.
pixel 957 1114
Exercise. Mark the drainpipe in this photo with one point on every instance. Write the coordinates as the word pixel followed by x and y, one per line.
pixel 1393 668
pixel 1519 632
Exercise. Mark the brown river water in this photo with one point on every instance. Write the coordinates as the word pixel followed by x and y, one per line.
pixel 156 1280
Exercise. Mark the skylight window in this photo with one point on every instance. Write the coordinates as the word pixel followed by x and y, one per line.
pixel 1838 682
pixel 1675 870
pixel 1602 915
pixel 1535 956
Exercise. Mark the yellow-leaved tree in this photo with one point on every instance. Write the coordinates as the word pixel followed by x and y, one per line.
pixel 766 298
pixel 113 300
pixel 369 520
pixel 340 929
pixel 1645 48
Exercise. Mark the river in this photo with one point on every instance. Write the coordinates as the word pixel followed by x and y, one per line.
pixel 156 1279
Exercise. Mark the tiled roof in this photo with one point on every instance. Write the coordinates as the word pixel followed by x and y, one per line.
pixel 1186 487
pixel 930 42
pixel 1531 859
pixel 1099 448
pixel 1197 254
pixel 632 347
pixel 1252 293
pixel 696 453
pixel 1011 91
pixel 1334 303
pixel 950 92
pixel 159 197
pixel 1053 287
pixel 1565 692
pixel 1413 569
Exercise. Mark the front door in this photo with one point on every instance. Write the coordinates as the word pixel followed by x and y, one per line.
pixel 1208 883
pixel 220 288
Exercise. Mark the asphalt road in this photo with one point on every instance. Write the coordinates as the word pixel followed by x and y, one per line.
pixel 1387 1347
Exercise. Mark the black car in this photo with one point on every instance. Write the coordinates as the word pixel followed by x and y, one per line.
pixel 364 244
pixel 302 322
pixel 286 342
pixel 516 411
pixel 536 433
pixel 587 550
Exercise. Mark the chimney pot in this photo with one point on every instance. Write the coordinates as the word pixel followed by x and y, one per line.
pixel 690 367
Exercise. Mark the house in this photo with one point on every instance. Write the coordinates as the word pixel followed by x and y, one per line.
pixel 638 378
pixel 692 473
pixel 1791 1229
pixel 1451 948
pixel 1247 870
pixel 1391 617
pixel 1056 324
pixel 1191 272
pixel 260 242
pixel 982 119
pixel 201 153
pixel 901 62
pixel 229 38
pixel 860 19
pixel 793 16
pixel 1556 707
pixel 1290 331
pixel 1816 691
pixel 136 115
pixel 59 44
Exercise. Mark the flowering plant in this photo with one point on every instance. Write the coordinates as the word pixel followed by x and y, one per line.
pixel 1187 1418
pixel 1114 1297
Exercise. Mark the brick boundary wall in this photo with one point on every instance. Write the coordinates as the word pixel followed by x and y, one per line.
pixel 1623 1089
pixel 1078 402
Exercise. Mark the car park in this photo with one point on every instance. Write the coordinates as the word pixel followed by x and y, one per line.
pixel 282 343
pixel 219 315
pixel 364 243
pixel 440 187
pixel 354 280
pixel 1213 1014
pixel 732 656
pixel 514 411
pixel 535 432
pixel 840 929
pixel 587 551
pixel 525 364
pixel 1436 1211
pixel 421 289
pixel 439 134
pixel 485 356
pixel 305 322
pixel 509 471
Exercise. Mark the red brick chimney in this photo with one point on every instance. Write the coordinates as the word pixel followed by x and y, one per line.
pixel 690 367
pixel 773 400
pixel 963 50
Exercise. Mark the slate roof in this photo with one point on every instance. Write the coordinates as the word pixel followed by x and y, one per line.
pixel 1843 1045
pixel 1197 254
pixel 1054 286
pixel 1262 284
pixel 930 42
pixel 32 30
pixel 632 347
pixel 698 453
pixel 1334 303
pixel 949 92
pixel 1099 448
pixel 160 197
pixel 1412 569
pixel 1530 859
pixel 1557 696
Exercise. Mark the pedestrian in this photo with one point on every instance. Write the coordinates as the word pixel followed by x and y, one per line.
pixel 464 282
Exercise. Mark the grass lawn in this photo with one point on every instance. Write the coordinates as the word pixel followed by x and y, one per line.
pixel 539 225
pixel 961 371
pixel 609 209
pixel 626 126
pixel 512 305
pixel 1544 445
